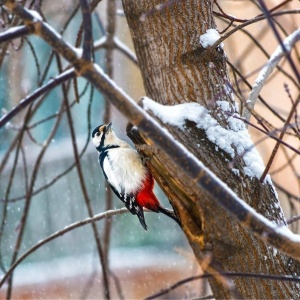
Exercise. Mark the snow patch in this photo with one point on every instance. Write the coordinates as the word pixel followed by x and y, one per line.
pixel 78 51
pixel 234 140
pixel 11 30
pixel 235 171
pixel 224 105
pixel 36 16
pixel 236 105
pixel 209 38
pixel 176 114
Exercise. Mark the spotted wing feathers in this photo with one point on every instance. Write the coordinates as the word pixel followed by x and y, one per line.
pixel 129 200
pixel 131 204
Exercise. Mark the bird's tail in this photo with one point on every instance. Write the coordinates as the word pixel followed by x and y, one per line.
pixel 169 213
pixel 140 214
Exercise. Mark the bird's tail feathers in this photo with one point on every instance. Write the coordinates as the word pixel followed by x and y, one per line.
pixel 169 213
pixel 140 215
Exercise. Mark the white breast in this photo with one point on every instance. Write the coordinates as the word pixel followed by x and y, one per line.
pixel 124 169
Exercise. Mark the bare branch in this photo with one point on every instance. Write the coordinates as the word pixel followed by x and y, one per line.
pixel 251 21
pixel 86 197
pixel 110 33
pixel 59 233
pixel 67 75
pixel 284 47
pixel 263 75
pixel 15 32
pixel 120 46
pixel 234 19
pixel 286 125
pixel 293 219
pixel 226 274
pixel 87 27
pixel 27 205
pixel 125 50
pixel 270 135
pixel 204 179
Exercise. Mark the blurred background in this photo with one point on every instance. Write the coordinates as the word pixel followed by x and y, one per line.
pixel 141 263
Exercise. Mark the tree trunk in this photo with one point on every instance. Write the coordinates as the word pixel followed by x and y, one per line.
pixel 176 69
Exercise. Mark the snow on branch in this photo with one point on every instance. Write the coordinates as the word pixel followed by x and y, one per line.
pixel 268 68
pixel 125 50
pixel 15 32
pixel 279 237
pixel 234 140
pixel 209 38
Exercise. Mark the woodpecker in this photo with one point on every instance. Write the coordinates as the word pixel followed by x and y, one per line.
pixel 125 173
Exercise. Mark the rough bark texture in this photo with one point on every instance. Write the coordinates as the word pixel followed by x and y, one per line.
pixel 176 69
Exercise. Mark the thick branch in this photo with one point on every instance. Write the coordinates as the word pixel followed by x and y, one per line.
pixel 176 69
pixel 186 162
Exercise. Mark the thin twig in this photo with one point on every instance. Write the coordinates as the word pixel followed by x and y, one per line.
pixel 287 90
pixel 125 50
pixel 259 97
pixel 25 213
pixel 191 167
pixel 33 51
pixel 4 47
pixel 226 16
pixel 269 134
pixel 15 32
pixel 237 20
pixel 267 70
pixel 227 274
pixel 280 140
pixel 285 48
pixel 37 93
pixel 84 191
pixel 110 33
pixel 18 143
pixel 7 192
pixel 251 21
pixel 288 162
pixel 293 219
pixel 117 284
pixel 87 28
pixel 61 233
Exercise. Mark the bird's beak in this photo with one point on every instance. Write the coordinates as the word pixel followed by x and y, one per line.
pixel 108 127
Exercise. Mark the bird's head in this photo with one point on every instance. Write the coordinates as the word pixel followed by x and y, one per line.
pixel 102 135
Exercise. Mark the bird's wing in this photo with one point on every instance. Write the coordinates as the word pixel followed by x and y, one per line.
pixel 109 173
pixel 133 207
pixel 128 199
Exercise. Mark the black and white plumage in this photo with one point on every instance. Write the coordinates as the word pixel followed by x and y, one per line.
pixel 125 173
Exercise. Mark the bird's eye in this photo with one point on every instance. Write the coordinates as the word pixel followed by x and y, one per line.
pixel 98 133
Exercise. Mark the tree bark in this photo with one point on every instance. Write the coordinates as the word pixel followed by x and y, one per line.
pixel 176 69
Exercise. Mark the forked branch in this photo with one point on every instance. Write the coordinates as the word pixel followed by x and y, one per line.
pixel 204 179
